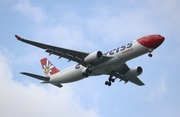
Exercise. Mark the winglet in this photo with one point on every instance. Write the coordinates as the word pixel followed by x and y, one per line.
pixel 18 37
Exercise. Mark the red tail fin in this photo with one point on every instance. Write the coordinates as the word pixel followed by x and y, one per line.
pixel 48 67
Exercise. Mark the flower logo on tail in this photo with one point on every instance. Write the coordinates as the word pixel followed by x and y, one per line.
pixel 48 68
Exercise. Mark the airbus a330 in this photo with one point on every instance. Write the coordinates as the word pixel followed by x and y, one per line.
pixel 112 63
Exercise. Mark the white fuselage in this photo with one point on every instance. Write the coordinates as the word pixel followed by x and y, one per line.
pixel 118 56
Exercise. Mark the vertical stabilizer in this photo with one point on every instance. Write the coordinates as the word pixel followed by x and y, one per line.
pixel 48 68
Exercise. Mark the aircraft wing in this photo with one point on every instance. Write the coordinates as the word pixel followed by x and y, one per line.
pixel 120 72
pixel 137 81
pixel 69 54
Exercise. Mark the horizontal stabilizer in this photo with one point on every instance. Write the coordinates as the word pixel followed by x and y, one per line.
pixel 58 85
pixel 36 76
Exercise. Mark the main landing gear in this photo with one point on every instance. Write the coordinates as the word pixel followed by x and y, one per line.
pixel 110 80
pixel 87 72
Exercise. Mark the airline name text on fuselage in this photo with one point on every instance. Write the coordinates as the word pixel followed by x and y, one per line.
pixel 119 49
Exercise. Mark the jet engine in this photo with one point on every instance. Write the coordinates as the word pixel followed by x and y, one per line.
pixel 92 57
pixel 133 72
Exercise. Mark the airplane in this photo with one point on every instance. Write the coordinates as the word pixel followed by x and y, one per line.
pixel 112 63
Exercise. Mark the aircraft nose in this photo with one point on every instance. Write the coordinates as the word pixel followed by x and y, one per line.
pixel 151 41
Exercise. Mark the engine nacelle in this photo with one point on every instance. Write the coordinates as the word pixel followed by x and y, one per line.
pixel 134 72
pixel 92 57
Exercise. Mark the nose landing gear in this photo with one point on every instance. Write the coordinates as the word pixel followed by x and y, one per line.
pixel 150 55
pixel 150 51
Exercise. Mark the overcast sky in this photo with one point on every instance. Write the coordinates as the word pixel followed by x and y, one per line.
pixel 88 26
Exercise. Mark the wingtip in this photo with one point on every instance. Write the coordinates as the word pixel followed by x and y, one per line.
pixel 18 37
pixel 22 72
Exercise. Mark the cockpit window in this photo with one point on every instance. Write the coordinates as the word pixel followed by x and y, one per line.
pixel 157 35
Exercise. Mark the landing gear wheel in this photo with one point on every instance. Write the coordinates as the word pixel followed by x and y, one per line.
pixel 112 80
pixel 150 55
pixel 106 83
pixel 109 84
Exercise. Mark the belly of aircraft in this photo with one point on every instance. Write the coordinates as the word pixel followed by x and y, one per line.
pixel 107 67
